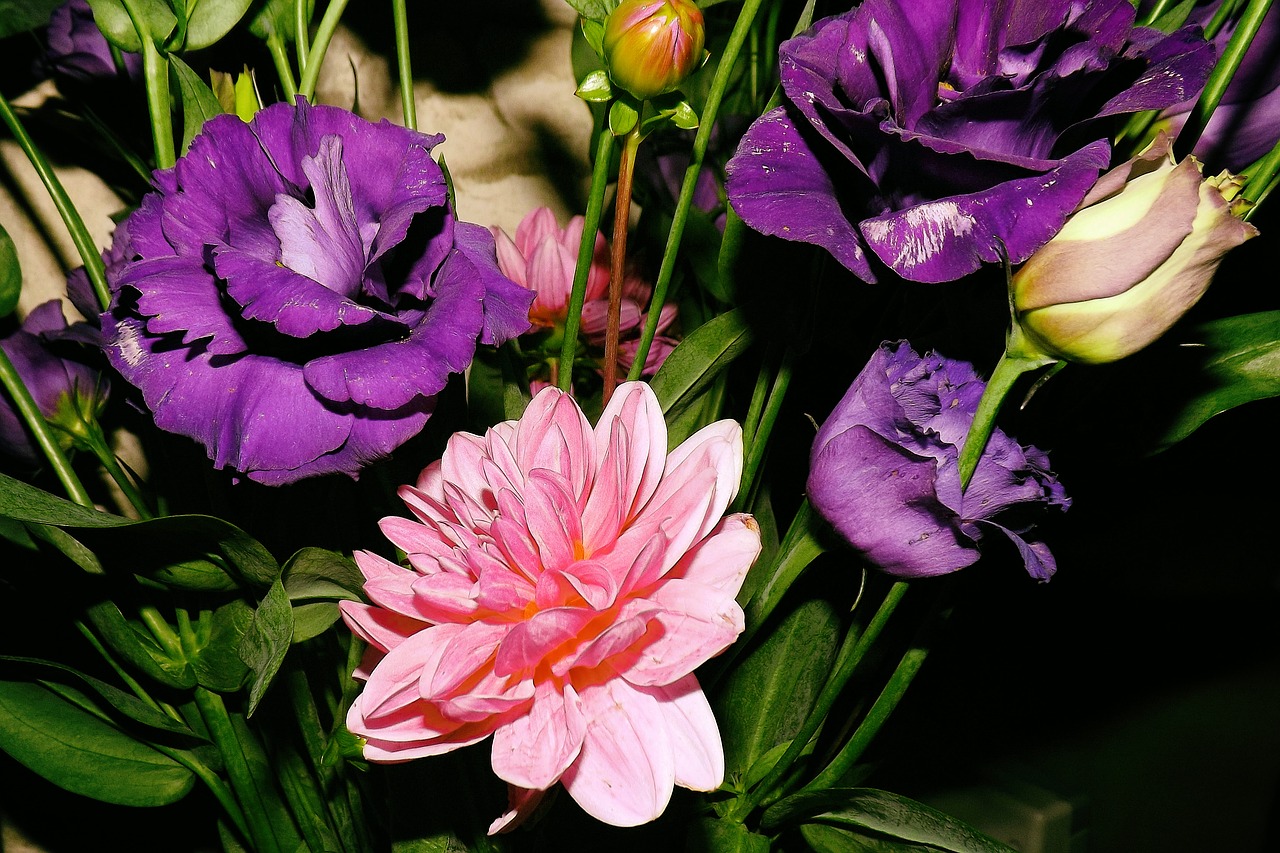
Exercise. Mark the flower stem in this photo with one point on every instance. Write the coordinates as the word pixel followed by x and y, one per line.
pixel 1260 175
pixel 315 58
pixel 586 251
pixel 1007 371
pixel 724 72
pixel 760 435
pixel 84 244
pixel 799 548
pixel 854 649
pixel 155 75
pixel 404 64
pixel 301 32
pixel 280 57
pixel 618 259
pixel 43 433
pixel 1211 96
pixel 224 737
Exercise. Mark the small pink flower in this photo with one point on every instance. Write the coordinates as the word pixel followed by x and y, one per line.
pixel 565 583
pixel 542 258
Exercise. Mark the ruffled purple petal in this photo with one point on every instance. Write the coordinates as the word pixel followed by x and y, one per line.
pixel 506 304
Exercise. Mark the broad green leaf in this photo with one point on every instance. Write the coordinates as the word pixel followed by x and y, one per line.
pixel 596 10
pixel 138 648
pixel 768 695
pixel 198 101
pixel 157 542
pixel 81 753
pixel 708 350
pixel 217 662
pixel 834 839
pixel 70 547
pixel 209 20
pixel 155 18
pixel 711 835
pixel 1239 362
pixel 277 16
pixel 316 580
pixel 10 274
pixel 17 533
pixel 19 16
pixel 886 814
pixel 314 618
pixel 125 703
pixel 267 641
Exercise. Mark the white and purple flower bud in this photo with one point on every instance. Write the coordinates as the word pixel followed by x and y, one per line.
pixel 651 46
pixel 1136 255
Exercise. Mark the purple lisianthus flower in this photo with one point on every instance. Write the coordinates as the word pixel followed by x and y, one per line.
pixel 297 292
pixel 55 363
pixel 938 135
pixel 883 469
pixel 76 48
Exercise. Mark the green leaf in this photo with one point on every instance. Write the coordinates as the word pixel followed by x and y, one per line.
pixel 138 648
pixel 217 662
pixel 1239 362
pixel 198 101
pixel 277 16
pixel 154 17
pixel 497 389
pixel 209 20
pixel 699 358
pixel 124 703
pixel 767 696
pixel 316 580
pixel 886 814
pixel 593 32
pixel 81 753
pixel 622 118
pixel 267 641
pixel 711 835
pixel 137 545
pixel 10 274
pixel 19 16
pixel 70 547
pixel 595 88
pixel 833 839
pixel 595 10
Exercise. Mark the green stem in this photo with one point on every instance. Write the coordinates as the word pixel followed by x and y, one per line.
pixel 1007 371
pixel 724 72
pixel 129 680
pixel 1226 68
pixel 224 737
pixel 315 58
pixel 875 719
pixel 155 75
pixel 302 32
pixel 758 396
pixel 851 654
pixel 1261 174
pixel 760 436
pixel 404 64
pixel 586 252
pixel 280 57
pixel 45 438
pixel 89 254
pixel 618 259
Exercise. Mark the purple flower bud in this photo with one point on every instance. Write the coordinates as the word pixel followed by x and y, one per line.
pixel 1135 256
pixel 650 46
pixel 77 48
pixel 68 391
pixel 883 469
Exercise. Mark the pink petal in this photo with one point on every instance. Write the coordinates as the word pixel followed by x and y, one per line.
pixel 626 770
pixel 635 407
pixel 554 434
pixel 528 642
pixel 537 226
pixel 445 597
pixel 532 751
pixel 521 802
pixel 695 737
pixel 631 624
pixel 553 520
pixel 697 623
pixel 510 260
pixel 722 559
pixel 394 683
pixel 467 654
pixel 551 276
pixel 384 629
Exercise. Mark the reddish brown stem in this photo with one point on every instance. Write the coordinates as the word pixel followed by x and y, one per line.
pixel 618 261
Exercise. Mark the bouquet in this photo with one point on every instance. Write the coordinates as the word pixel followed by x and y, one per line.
pixel 341 510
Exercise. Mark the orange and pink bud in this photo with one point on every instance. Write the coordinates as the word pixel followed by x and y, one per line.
pixel 651 46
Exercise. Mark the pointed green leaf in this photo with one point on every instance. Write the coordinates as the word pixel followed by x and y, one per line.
pixel 154 17
pixel 217 662
pixel 316 580
pixel 699 358
pixel 622 118
pixel 711 835
pixel 886 814
pixel 835 839
pixel 1239 362
pixel 20 16
pixel 10 274
pixel 138 648
pixel 78 751
pixel 209 20
pixel 595 88
pixel 595 10
pixel 267 641
pixel 198 101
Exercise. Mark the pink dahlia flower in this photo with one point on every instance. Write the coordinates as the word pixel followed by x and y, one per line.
pixel 565 583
